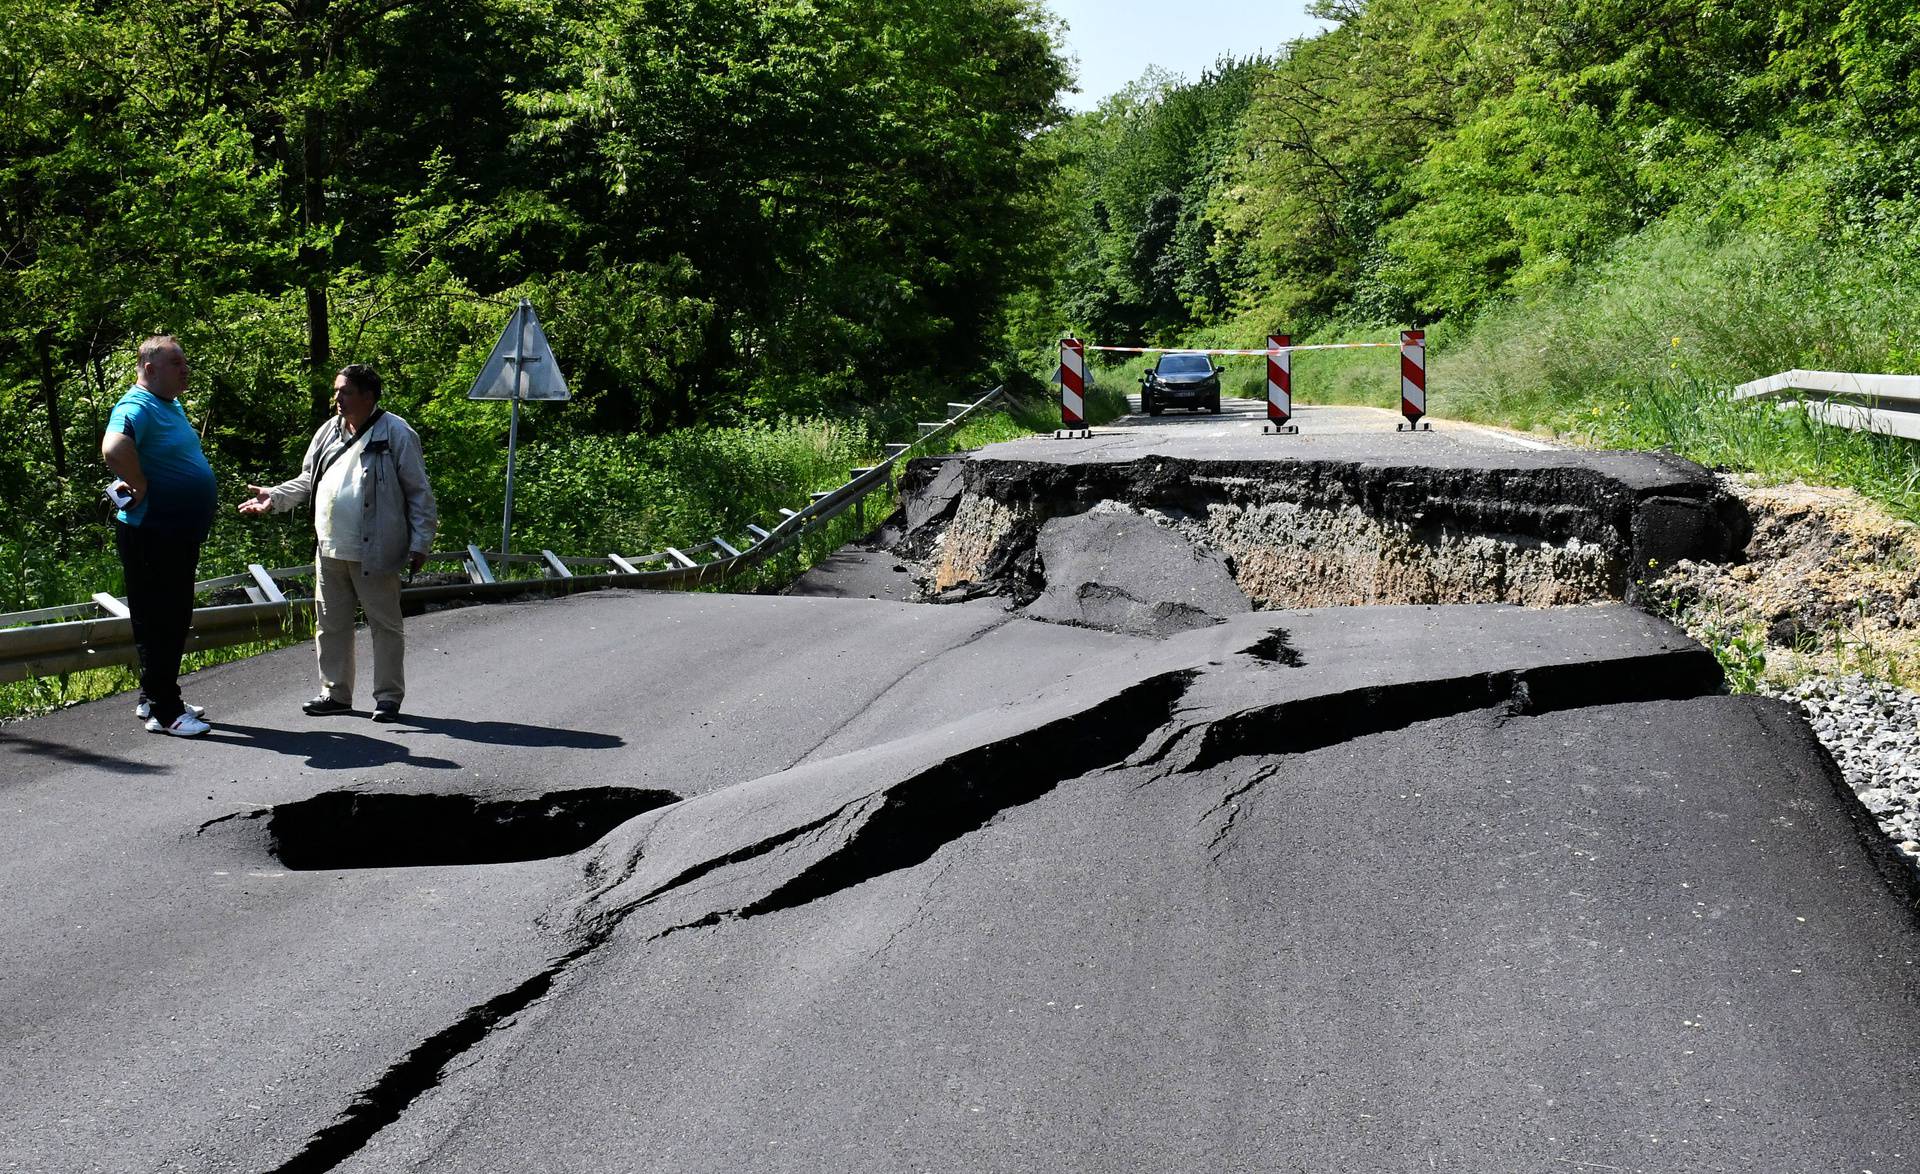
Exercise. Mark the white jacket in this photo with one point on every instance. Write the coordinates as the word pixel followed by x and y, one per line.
pixel 399 514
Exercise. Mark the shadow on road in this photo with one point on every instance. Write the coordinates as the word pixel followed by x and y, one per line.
pixel 78 756
pixel 511 733
pixel 324 749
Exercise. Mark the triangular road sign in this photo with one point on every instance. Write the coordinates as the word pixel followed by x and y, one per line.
pixel 521 356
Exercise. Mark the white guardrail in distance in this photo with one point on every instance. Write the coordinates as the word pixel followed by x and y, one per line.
pixel 64 639
pixel 1888 404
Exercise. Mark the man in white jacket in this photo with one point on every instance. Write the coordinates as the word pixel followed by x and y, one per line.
pixel 374 515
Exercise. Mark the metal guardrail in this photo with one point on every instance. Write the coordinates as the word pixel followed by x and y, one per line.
pixel 98 633
pixel 1888 404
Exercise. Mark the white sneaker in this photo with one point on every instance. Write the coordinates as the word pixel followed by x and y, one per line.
pixel 184 726
pixel 144 710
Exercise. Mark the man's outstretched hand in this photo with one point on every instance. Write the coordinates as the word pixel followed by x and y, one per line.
pixel 259 503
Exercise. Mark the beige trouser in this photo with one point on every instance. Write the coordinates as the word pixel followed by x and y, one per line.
pixel 341 586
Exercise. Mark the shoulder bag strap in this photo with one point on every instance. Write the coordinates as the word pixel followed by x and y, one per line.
pixel 328 461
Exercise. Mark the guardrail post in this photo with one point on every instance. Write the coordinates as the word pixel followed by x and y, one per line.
pixel 477 568
pixel 268 587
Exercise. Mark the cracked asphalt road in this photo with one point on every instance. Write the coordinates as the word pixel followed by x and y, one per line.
pixel 174 998
pixel 1471 888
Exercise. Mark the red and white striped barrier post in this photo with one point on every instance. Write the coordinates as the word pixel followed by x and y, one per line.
pixel 1279 385
pixel 1073 389
pixel 1413 380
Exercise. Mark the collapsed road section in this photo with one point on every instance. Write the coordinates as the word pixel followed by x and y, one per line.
pixel 1151 869
pixel 1157 543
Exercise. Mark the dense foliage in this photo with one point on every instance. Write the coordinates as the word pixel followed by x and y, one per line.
pixel 761 232
pixel 1582 198
pixel 728 212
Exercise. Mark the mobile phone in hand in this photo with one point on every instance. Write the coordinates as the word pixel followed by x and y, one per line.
pixel 120 494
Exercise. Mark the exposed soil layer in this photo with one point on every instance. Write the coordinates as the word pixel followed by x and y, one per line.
pixel 1310 533
pixel 1829 583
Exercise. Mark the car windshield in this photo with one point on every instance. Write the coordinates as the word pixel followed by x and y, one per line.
pixel 1184 365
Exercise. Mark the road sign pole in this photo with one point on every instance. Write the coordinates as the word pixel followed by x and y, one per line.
pixel 506 522
pixel 513 372
pixel 513 428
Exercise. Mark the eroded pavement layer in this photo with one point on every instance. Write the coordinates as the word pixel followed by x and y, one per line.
pixel 1450 887
pixel 1162 526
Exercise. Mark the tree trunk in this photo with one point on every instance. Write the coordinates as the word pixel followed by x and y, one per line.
pixel 57 440
pixel 314 260
pixel 319 347
pixel 99 395
pixel 50 390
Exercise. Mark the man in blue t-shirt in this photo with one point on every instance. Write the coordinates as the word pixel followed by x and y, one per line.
pixel 155 454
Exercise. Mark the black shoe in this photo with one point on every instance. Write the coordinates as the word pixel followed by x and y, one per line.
pixel 325 706
pixel 386 711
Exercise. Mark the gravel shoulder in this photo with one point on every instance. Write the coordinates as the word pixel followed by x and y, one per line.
pixel 1822 611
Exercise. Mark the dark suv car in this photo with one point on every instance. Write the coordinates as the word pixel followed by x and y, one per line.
pixel 1181 380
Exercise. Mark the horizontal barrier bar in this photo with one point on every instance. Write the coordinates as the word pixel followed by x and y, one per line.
pixel 1200 350
pixel 1887 404
pixel 65 611
pixel 1899 388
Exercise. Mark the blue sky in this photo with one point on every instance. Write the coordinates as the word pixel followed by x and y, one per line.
pixel 1116 40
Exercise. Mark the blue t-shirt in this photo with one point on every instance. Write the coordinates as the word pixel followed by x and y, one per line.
pixel 180 488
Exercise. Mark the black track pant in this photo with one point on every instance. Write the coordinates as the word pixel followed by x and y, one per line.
pixel 160 566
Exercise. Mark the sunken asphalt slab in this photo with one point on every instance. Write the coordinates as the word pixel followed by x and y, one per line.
pixel 1480 887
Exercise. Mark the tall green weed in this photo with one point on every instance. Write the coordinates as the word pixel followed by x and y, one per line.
pixel 1685 301
pixel 1644 349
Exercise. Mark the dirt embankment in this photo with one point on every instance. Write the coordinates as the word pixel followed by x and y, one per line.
pixel 1829 584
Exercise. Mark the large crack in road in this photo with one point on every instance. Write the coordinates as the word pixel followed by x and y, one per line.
pixel 714 874
pixel 869 829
